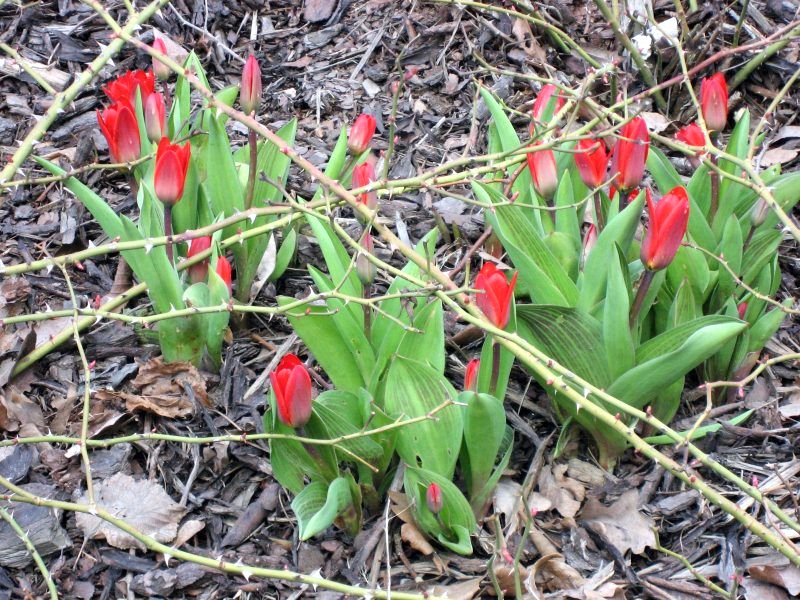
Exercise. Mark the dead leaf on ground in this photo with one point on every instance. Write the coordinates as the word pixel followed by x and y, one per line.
pixel 656 122
pixel 401 507
pixel 463 590
pixel 552 570
pixel 622 524
pixel 786 576
pixel 144 505
pixel 188 530
pixel 522 31
pixel 411 534
pixel 565 493
pixel 758 590
pixel 778 156
pixel 18 413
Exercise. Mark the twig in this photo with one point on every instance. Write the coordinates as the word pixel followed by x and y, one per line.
pixel 37 558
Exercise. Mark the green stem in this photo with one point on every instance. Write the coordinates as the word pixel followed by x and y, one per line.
pixel 168 231
pixel 37 558
pixel 712 211
pixel 251 176
pixel 598 212
pixel 644 286
pixel 495 368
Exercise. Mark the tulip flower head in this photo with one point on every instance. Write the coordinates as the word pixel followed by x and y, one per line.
pixel 292 386
pixel 155 117
pixel 630 154
pixel 741 308
pixel 498 294
pixel 471 375
pixel 591 159
pixel 198 271
pixel 161 70
pixel 361 134
pixel 669 218
pixel 250 92
pixel 714 102
pixel 172 163
pixel 433 498
pixel 692 135
pixel 223 269
pixel 542 164
pixel 548 97
pixel 365 269
pixel 121 130
pixel 364 174
pixel 124 88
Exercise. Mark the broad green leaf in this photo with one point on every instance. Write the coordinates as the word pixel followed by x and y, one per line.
pixel 766 326
pixel 222 181
pixel 729 191
pixel 285 254
pixel 217 322
pixel 617 338
pixel 567 217
pixel 506 361
pixel 761 251
pixel 484 428
pixel 684 306
pixel 690 264
pixel 427 346
pixel 339 412
pixel 672 339
pixel 730 250
pixel 664 174
pixel 786 191
pixel 318 506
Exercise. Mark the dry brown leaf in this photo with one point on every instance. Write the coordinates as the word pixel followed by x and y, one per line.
pixel 555 573
pixel 157 378
pixel 758 590
pixel 656 122
pixel 144 505
pixel 188 530
pixel 565 493
pixel 786 576
pixel 20 413
pixel 522 31
pixel 463 590
pixel 778 156
pixel 411 534
pixel 401 506
pixel 504 574
pixel 621 523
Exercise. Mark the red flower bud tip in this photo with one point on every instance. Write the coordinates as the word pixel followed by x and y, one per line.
pixel 155 117
pixel 668 221
pixel 760 212
pixel 692 135
pixel 198 271
pixel 172 163
pixel 498 294
pixel 592 161
pixel 363 175
pixel 630 154
pixel 223 269
pixel 542 164
pixel 471 375
pixel 361 133
pixel 742 310
pixel 433 496
pixel 161 70
pixel 119 126
pixel 714 102
pixel 292 386
pixel 589 240
pixel 365 269
pixel 549 93
pixel 250 92
pixel 124 88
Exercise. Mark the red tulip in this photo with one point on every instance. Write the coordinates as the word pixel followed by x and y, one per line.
pixel 714 101
pixel 161 70
pixel 471 375
pixel 498 294
pixel 155 117
pixel 668 221
pixel 433 497
pixel 364 174
pixel 118 124
pixel 543 101
pixel 542 164
pixel 630 154
pixel 361 133
pixel 172 163
pixel 365 269
pixel 692 135
pixel 292 386
pixel 198 271
pixel 592 161
pixel 250 92
pixel 223 269
pixel 741 308
pixel 124 87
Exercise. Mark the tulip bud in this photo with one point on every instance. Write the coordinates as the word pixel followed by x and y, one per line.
pixel 692 135
pixel 223 269
pixel 630 154
pixel 363 175
pixel 361 134
pixel 668 221
pixel 155 117
pixel 498 294
pixel 250 92
pixel 121 130
pixel 172 164
pixel 123 88
pixel 741 308
pixel 365 269
pixel 471 375
pixel 161 70
pixel 292 386
pixel 714 102
pixel 433 497
pixel 759 213
pixel 548 98
pixel 198 271
pixel 542 164
pixel 591 159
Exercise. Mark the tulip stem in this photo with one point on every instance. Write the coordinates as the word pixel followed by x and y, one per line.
pixel 495 368
pixel 252 142
pixel 623 199
pixel 598 211
pixel 712 211
pixel 168 230
pixel 367 311
pixel 644 286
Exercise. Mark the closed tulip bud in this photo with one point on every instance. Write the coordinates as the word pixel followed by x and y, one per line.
pixel 591 159
pixel 498 294
pixel 361 133
pixel 155 117
pixel 198 271
pixel 741 308
pixel 123 88
pixel 433 497
pixel 292 386
pixel 172 164
pixel 365 269
pixel 250 92
pixel 471 375
pixel 542 164
pixel 714 102
pixel 668 221
pixel 223 269
pixel 548 97
pixel 630 154
pixel 692 135
pixel 363 175
pixel 161 70
pixel 121 130
pixel 589 241
pixel 759 213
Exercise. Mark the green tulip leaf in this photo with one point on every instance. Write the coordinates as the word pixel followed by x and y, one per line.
pixel 319 505
pixel 617 338
pixel 484 428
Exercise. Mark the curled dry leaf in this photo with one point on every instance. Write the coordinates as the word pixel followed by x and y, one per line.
pixel 411 534
pixel 622 524
pixel 144 505
pixel 18 413
pixel 786 576
pixel 565 494
pixel 463 590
